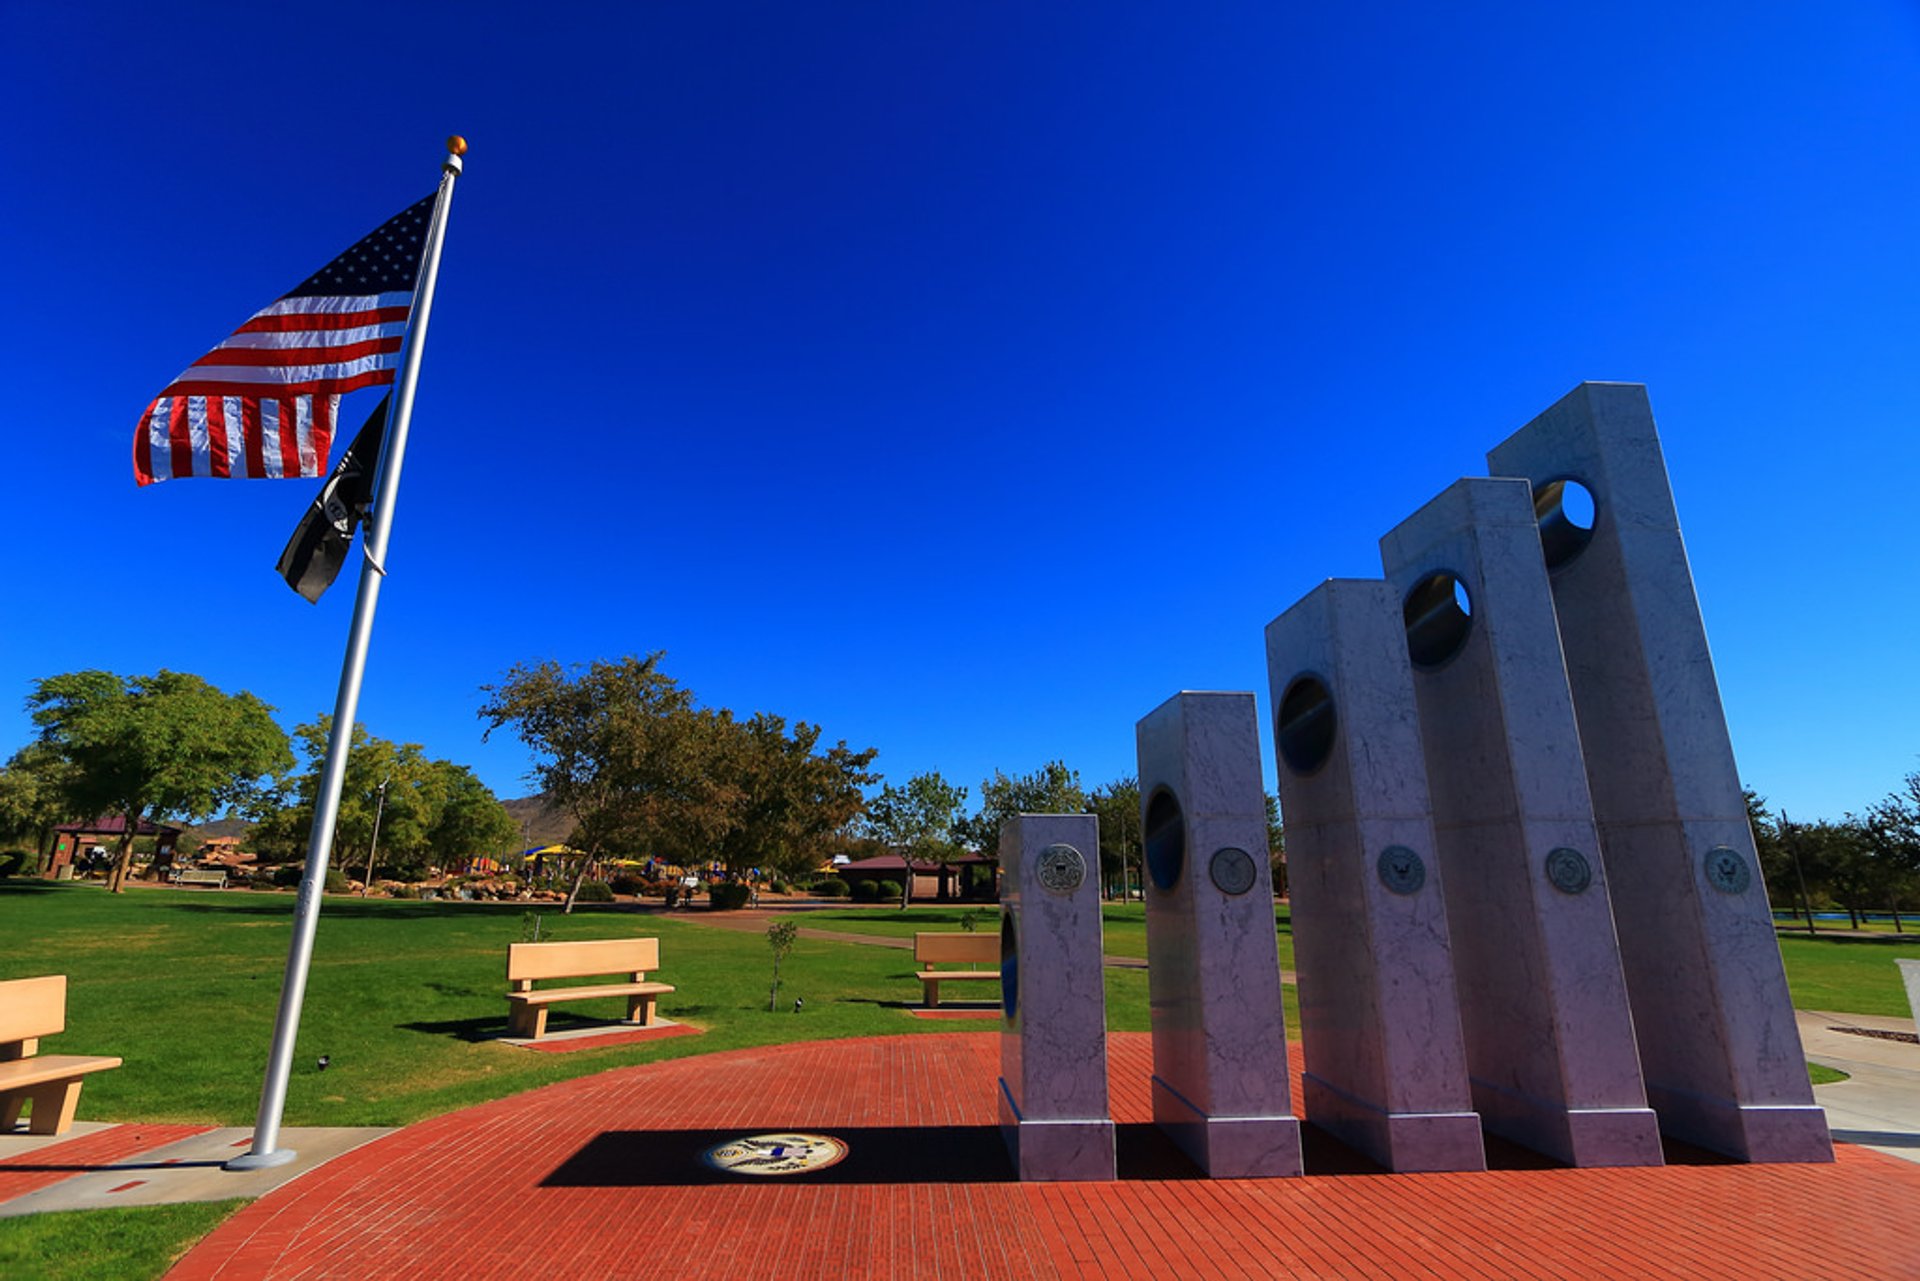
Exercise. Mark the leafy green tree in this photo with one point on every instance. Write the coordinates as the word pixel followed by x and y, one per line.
pixel 435 812
pixel 33 796
pixel 1051 789
pixel 1276 846
pixel 166 746
pixel 1117 806
pixel 920 821
pixel 787 795
pixel 615 745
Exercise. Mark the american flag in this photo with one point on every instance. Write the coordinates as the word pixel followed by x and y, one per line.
pixel 263 403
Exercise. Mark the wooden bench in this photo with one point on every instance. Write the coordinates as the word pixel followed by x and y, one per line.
pixel 530 962
pixel 931 949
pixel 29 1010
pixel 214 876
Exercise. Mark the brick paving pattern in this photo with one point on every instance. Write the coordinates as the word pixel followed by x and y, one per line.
pixel 600 1177
pixel 49 1165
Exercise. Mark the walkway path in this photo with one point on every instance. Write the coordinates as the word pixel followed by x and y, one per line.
pixel 601 1177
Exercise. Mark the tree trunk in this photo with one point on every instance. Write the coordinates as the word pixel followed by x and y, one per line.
pixel 579 878
pixel 117 878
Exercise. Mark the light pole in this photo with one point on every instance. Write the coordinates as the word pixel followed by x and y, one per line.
pixel 379 808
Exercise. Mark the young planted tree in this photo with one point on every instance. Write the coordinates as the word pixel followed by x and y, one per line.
pixel 155 747
pixel 780 937
pixel 1117 806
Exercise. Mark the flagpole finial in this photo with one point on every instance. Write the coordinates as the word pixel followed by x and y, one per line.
pixel 456 148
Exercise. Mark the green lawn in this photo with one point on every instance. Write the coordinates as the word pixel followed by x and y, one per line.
pixel 1847 975
pixel 1123 925
pixel 105 1245
pixel 183 986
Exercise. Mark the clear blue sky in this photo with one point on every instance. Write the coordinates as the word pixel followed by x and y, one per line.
pixel 968 378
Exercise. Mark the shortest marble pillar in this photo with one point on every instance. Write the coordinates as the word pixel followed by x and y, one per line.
pixel 1910 975
pixel 1213 963
pixel 1386 1061
pixel 1053 1042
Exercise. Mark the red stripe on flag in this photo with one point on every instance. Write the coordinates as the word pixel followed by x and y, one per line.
pixel 322 433
pixel 330 386
pixel 251 433
pixel 302 322
pixel 289 438
pixel 286 356
pixel 217 438
pixel 179 438
pixel 143 447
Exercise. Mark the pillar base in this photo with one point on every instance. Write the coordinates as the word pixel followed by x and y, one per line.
pixel 1056 1151
pixel 1229 1147
pixel 1764 1133
pixel 1404 1142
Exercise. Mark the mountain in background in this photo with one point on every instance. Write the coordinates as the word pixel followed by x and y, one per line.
pixel 545 824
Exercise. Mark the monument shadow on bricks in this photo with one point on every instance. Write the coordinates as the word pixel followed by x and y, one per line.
pixel 1386 1068
pixel 1543 1003
pixel 1213 966
pixel 1718 1044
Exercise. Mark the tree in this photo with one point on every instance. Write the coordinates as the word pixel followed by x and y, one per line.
pixel 435 812
pixel 1276 846
pixel 33 796
pixel 786 797
pixel 1891 829
pixel 1117 806
pixel 919 820
pixel 155 747
pixel 1051 789
pixel 611 746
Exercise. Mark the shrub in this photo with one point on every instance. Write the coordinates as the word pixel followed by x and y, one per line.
pixel 725 896
pixel 595 892
pixel 865 891
pixel 287 874
pixel 888 892
pixel 779 887
pixel 337 882
pixel 406 891
pixel 262 881
pixel 830 887
pixel 14 862
pixel 626 883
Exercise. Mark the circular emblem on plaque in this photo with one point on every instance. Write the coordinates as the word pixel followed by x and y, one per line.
pixel 1727 871
pixel 1232 870
pixel 1061 869
pixel 1568 870
pixel 772 1154
pixel 1401 870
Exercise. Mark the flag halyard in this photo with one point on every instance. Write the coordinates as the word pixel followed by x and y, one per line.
pixel 264 402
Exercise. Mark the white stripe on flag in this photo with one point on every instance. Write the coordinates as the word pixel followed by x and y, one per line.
pixel 157 442
pixel 315 337
pixel 198 436
pixel 270 438
pixel 303 433
pixel 236 436
pixel 322 303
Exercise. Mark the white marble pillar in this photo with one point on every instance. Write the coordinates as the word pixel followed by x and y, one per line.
pixel 1543 1003
pixel 1910 977
pixel 1718 1044
pixel 1220 1087
pixel 1379 1019
pixel 1053 1042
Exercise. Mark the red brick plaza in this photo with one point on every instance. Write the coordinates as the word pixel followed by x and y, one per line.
pixel 602 1177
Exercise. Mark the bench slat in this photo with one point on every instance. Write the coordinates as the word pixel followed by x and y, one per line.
pixel 548 995
pixel 529 961
pixel 31 1008
pixel 21 1073
pixel 947 948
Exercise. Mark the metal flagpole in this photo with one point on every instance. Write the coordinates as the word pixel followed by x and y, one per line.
pixel 266 1150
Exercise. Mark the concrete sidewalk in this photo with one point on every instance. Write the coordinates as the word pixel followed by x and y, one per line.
pixel 187 1169
pixel 1879 1107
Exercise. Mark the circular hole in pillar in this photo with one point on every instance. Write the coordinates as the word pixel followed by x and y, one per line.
pixel 1565 509
pixel 1438 614
pixel 1009 968
pixel 1166 839
pixel 1306 724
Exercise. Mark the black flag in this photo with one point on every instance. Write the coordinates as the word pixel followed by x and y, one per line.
pixel 320 541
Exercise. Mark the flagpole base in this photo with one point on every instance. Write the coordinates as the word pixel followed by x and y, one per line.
pixel 261 1160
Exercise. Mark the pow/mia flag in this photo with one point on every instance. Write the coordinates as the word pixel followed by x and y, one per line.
pixel 320 541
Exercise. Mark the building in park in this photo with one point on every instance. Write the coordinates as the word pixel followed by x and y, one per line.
pixel 76 845
pixel 972 879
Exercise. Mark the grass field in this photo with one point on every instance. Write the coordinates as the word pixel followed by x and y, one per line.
pixel 105 1245
pixel 403 998
pixel 1848 975
pixel 1123 925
